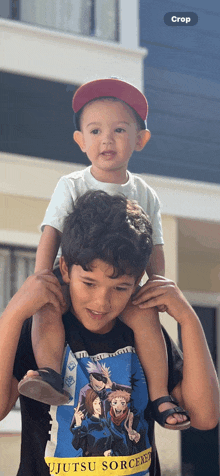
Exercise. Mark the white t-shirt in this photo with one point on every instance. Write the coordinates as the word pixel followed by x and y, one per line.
pixel 72 186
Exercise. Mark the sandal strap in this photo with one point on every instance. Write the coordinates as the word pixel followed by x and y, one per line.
pixel 52 378
pixel 156 403
pixel 161 417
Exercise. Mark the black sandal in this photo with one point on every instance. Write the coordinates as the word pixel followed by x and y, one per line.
pixel 161 417
pixel 47 387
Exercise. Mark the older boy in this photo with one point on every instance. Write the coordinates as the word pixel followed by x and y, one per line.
pixel 102 275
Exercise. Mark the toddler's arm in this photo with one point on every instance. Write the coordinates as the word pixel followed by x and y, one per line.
pixel 156 263
pixel 47 248
pixel 156 266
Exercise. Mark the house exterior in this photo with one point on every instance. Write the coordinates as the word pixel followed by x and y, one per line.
pixel 49 48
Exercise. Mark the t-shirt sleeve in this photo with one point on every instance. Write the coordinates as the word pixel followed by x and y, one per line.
pixel 61 204
pixel 155 217
pixel 24 358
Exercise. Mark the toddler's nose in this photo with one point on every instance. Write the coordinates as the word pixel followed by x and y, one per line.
pixel 107 138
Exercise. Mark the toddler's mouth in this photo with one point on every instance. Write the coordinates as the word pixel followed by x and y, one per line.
pixel 108 153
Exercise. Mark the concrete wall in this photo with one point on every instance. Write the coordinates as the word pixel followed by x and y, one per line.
pixel 9 454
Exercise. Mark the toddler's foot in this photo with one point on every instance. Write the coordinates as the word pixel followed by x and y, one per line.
pixel 44 385
pixel 176 417
pixel 169 415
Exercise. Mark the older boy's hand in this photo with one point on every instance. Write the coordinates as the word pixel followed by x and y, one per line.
pixel 38 291
pixel 163 293
pixel 142 296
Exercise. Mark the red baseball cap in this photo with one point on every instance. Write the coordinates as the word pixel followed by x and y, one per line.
pixel 111 88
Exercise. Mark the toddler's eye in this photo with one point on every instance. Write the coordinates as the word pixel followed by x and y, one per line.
pixel 120 129
pixel 95 131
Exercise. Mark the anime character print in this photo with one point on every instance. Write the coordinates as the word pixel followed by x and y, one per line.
pixel 107 432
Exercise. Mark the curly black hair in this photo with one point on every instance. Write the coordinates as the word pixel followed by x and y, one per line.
pixel 110 228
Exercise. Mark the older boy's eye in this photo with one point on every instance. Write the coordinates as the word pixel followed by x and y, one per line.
pixel 88 284
pixel 121 289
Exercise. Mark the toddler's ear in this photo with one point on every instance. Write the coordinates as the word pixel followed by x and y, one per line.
pixel 79 139
pixel 143 137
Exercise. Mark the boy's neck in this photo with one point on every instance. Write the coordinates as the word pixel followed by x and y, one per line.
pixel 110 176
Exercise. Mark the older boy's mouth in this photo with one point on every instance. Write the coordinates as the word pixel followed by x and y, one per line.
pixel 96 315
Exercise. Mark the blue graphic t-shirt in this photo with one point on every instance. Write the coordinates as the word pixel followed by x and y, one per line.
pixel 102 429
pixel 105 428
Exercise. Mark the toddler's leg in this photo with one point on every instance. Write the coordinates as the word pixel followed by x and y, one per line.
pixel 48 338
pixel 48 335
pixel 151 349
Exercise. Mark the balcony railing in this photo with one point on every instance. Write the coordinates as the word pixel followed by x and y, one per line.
pixel 97 18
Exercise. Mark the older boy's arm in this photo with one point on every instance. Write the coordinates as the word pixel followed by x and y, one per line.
pixel 198 391
pixel 38 290
pixel 47 249
pixel 199 388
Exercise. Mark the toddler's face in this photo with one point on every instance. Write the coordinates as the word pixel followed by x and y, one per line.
pixel 109 135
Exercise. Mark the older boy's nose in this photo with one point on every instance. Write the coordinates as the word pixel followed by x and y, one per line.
pixel 102 301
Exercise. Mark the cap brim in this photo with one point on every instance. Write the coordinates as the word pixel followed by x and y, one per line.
pixel 111 88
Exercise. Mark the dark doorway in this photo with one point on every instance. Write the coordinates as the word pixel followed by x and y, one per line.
pixel 200 449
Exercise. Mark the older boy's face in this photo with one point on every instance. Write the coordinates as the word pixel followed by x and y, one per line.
pixel 109 135
pixel 97 299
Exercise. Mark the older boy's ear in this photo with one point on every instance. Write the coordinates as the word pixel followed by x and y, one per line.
pixel 79 139
pixel 64 270
pixel 143 137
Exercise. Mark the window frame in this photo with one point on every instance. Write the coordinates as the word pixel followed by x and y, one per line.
pixel 12 423
pixel 15 9
pixel 12 252
pixel 208 300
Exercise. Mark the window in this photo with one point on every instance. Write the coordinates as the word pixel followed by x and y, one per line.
pixel 16 264
pixel 98 18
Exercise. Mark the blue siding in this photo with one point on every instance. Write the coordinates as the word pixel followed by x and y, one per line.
pixel 182 72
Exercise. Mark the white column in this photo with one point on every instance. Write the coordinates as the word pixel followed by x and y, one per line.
pixel 167 441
